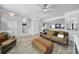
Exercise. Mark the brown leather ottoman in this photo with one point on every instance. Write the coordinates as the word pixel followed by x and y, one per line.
pixel 43 44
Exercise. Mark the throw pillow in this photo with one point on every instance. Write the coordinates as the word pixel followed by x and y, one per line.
pixel 60 36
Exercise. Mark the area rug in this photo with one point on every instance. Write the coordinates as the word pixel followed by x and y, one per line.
pixel 24 46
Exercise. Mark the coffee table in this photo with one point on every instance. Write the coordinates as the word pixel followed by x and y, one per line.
pixel 44 45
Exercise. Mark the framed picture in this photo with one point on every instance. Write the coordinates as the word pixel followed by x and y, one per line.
pixel 58 26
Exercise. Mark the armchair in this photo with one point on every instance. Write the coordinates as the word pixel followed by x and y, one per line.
pixel 6 42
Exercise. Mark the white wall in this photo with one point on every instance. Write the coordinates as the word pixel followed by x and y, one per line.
pixel 9 24
pixel 19 28
pixel 36 26
pixel 0 22
pixel 40 25
pixel 14 25
pixel 72 17
pixel 54 18
pixel 33 28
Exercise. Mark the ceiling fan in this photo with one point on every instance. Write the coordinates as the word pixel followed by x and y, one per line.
pixel 47 8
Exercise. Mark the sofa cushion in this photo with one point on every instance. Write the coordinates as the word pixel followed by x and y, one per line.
pixel 3 36
pixel 57 39
pixel 66 33
pixel 61 32
pixel 55 33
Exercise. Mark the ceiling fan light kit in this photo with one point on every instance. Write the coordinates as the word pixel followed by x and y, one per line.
pixel 45 9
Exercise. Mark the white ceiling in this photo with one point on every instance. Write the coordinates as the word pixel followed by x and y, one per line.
pixel 35 11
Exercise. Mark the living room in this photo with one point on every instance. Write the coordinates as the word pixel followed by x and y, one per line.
pixel 49 27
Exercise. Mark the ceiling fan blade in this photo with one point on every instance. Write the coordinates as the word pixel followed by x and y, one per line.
pixel 52 9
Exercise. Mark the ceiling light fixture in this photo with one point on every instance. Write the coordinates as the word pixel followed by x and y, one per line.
pixel 45 9
pixel 11 14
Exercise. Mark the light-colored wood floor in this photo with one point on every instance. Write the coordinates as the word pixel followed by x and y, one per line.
pixel 24 46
